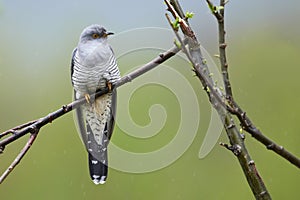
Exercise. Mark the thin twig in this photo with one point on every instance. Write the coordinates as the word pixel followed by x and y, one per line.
pixel 183 23
pixel 19 157
pixel 248 126
pixel 19 127
pixel 34 126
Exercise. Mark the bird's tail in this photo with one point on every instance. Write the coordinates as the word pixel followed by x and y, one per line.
pixel 98 130
pixel 98 170
pixel 97 142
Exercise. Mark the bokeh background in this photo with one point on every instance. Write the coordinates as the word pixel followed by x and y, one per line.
pixel 36 41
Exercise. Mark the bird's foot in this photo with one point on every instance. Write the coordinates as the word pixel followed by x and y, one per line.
pixel 109 85
pixel 87 98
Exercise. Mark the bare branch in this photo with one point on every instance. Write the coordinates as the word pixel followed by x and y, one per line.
pixel 248 126
pixel 13 130
pixel 19 157
pixel 245 121
pixel 217 100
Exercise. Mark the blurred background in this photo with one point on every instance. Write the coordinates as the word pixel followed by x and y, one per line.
pixel 37 38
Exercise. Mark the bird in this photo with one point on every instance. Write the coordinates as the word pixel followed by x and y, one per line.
pixel 94 67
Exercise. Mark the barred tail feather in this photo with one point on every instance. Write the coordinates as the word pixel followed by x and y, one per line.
pixel 97 152
pixel 98 170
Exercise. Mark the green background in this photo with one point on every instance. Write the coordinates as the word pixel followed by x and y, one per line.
pixel 37 39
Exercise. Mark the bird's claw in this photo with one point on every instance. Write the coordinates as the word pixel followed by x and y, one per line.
pixel 109 85
pixel 87 98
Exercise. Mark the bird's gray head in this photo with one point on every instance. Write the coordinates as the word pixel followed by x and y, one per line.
pixel 94 33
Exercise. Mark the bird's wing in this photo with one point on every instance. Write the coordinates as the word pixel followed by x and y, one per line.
pixel 80 119
pixel 79 112
pixel 72 63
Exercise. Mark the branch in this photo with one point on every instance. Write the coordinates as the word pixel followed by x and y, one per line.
pixel 248 126
pixel 222 49
pixel 217 100
pixel 19 157
pixel 33 127
pixel 236 110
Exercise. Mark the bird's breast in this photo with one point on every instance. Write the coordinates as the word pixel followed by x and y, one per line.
pixel 92 68
pixel 87 79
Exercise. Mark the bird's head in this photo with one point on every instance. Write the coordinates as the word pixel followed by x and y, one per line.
pixel 94 33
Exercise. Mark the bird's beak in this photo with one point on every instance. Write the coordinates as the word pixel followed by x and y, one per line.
pixel 108 33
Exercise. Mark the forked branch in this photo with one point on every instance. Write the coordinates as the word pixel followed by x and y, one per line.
pixel 219 101
pixel 245 121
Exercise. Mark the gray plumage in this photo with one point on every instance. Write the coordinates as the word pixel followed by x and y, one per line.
pixel 93 67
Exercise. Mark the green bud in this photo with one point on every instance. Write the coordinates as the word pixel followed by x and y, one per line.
pixel 218 8
pixel 176 24
pixel 189 15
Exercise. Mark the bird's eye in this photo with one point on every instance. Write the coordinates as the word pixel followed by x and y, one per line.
pixel 95 36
